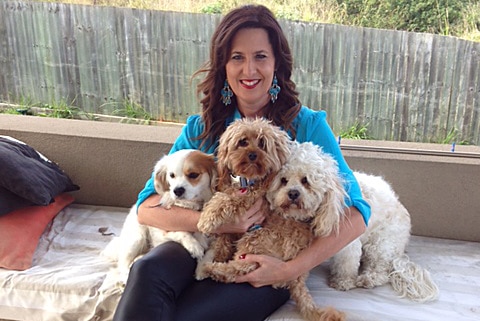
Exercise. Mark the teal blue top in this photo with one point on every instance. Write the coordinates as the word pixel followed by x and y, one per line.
pixel 310 126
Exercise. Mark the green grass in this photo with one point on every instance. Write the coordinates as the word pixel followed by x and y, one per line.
pixel 55 109
pixel 14 110
pixel 450 138
pixel 131 109
pixel 63 109
pixel 356 131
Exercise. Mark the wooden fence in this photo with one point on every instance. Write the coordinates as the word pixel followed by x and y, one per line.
pixel 405 86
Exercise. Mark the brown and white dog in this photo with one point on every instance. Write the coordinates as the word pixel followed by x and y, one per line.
pixel 186 178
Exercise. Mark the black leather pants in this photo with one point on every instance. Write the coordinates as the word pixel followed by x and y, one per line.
pixel 161 286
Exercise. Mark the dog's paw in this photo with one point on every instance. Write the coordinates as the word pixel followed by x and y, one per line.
pixel 221 208
pixel 331 314
pixel 324 314
pixel 208 223
pixel 193 205
pixel 196 250
pixel 202 271
pixel 166 201
pixel 122 283
pixel 371 280
pixel 342 284
pixel 166 205
pixel 204 265
pixel 120 277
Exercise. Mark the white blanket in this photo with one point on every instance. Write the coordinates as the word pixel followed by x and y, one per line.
pixel 454 265
pixel 68 280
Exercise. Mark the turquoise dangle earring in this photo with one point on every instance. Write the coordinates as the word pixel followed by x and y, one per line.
pixel 226 93
pixel 274 90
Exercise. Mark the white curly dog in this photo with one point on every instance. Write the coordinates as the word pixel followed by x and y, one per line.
pixel 309 188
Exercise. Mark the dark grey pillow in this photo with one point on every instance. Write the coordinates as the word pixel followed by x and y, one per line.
pixel 29 176
pixel 10 201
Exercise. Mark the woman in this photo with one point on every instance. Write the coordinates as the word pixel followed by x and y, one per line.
pixel 248 75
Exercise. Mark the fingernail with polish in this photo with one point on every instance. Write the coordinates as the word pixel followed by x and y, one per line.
pixel 241 257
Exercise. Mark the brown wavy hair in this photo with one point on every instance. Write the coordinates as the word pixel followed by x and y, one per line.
pixel 214 112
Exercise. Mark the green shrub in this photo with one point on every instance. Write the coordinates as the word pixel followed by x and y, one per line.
pixel 434 16
pixel 213 8
pixel 356 131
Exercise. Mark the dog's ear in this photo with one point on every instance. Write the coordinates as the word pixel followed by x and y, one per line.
pixel 278 146
pixel 223 179
pixel 223 170
pixel 214 181
pixel 331 210
pixel 213 173
pixel 283 146
pixel 160 178
pixel 265 184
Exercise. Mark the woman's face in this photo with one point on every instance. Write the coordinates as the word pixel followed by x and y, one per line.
pixel 250 70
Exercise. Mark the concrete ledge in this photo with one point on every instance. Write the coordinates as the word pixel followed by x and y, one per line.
pixel 440 192
pixel 111 162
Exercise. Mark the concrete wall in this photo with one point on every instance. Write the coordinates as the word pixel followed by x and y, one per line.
pixel 111 162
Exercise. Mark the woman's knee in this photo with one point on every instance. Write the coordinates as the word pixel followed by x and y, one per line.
pixel 167 264
pixel 144 267
pixel 210 300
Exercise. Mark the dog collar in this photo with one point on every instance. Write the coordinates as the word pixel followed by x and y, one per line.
pixel 245 184
pixel 254 228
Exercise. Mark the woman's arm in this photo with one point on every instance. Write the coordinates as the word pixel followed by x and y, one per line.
pixel 174 219
pixel 273 270
pixel 182 219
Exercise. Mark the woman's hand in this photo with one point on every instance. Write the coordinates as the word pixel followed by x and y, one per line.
pixel 270 271
pixel 253 215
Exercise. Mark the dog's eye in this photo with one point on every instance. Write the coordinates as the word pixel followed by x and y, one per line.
pixel 172 175
pixel 243 142
pixel 304 181
pixel 261 143
pixel 283 181
pixel 193 175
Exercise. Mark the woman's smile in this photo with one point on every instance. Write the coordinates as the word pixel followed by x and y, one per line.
pixel 249 84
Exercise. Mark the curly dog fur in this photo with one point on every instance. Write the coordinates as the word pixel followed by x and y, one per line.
pixel 254 150
pixel 304 190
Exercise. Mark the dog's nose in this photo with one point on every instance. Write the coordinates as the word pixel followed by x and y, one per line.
pixel 179 191
pixel 252 156
pixel 293 194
